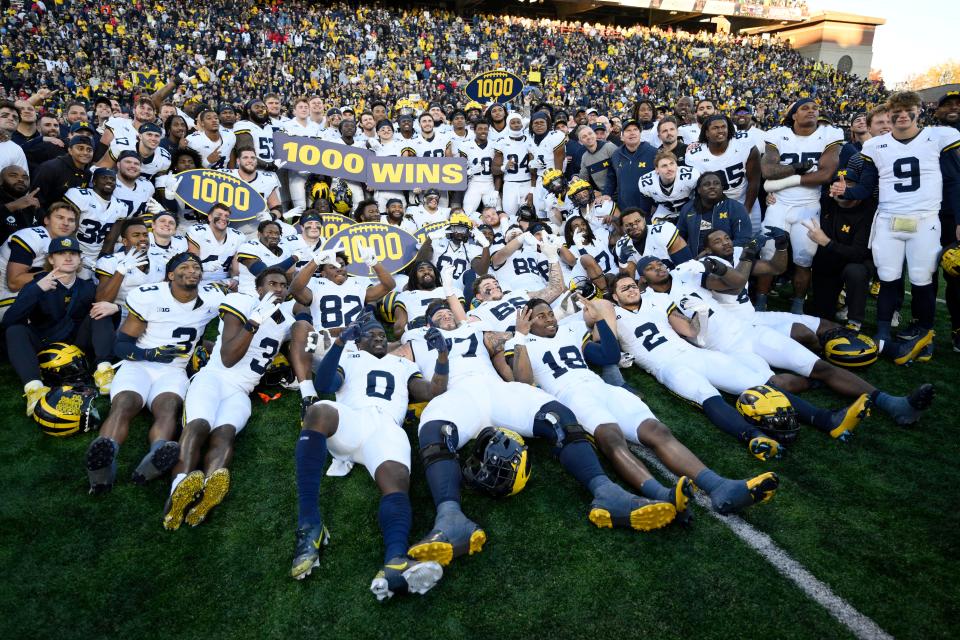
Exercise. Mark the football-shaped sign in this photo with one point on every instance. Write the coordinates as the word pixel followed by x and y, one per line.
pixel 200 189
pixel 421 234
pixel 494 86
pixel 394 247
pixel 333 223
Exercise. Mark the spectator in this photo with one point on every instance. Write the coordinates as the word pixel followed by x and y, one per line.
pixel 10 151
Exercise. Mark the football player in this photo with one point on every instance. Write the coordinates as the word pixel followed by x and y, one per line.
pixel 423 287
pixel 496 118
pixel 640 239
pixel 547 145
pixel 216 244
pixel 665 190
pixel 126 129
pixel 300 125
pixel 334 300
pixel 733 156
pixel 519 265
pixel 587 253
pixel 476 397
pixel 916 170
pixel 163 326
pixel 801 156
pixel 550 197
pixel 431 143
pixel 263 182
pixel 24 254
pixel 217 404
pixel 395 214
pixel 308 241
pixel 711 209
pixel 133 189
pixel 452 247
pixel 430 210
pixel 154 159
pixel 256 131
pixel 582 200
pixel 163 236
pixel 479 154
pixel 556 359
pixel 255 256
pixel 390 146
pixel 511 161
pixel 365 425
pixel 213 144
pixel 97 211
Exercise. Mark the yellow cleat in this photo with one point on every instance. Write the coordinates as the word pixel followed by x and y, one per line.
pixel 909 350
pixel 650 516
pixel 875 288
pixel 763 487
pixel 850 417
pixel 103 377
pixel 764 448
pixel 33 391
pixel 436 547
pixel 215 488
pixel 187 493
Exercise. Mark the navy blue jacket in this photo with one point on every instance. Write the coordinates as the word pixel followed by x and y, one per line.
pixel 55 315
pixel 623 182
pixel 729 215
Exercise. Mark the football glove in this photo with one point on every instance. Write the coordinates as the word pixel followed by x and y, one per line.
pixel 435 340
pixel 479 238
pixel 368 256
pixel 130 262
pixel 779 237
pixel 549 246
pixel 354 331
pixel 579 237
pixel 267 306
pixel 292 214
pixel 447 277
pixel 166 353
pixel 626 251
pixel 751 250
pixel 436 236
pixel 800 168
pixel 713 267
pixel 318 342
pixel 325 256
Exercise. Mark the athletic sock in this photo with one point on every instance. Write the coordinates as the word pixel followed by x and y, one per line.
pixel 808 413
pixel 655 491
pixel 176 482
pixel 728 419
pixel 581 461
pixel 796 307
pixel 760 304
pixel 306 389
pixel 395 516
pixel 886 305
pixel 709 480
pixel 923 304
pixel 311 456
pixel 895 406
pixel 443 477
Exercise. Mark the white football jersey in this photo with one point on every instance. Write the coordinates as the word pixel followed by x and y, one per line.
pixel 170 321
pixel 121 128
pixel 656 243
pixel 203 145
pixel 336 305
pixel 793 148
pixel 543 150
pixel 599 251
pixel 476 156
pixel 759 138
pixel 910 179
pixel 738 304
pixel 669 200
pixel 646 334
pixel 262 137
pixel 558 363
pixel 264 345
pixel 156 269
pixel 26 246
pixel 460 256
pixel 296 243
pixel 517 150
pixel 731 164
pixel 435 147
pixel 178 244
pixel 495 135
pixel 134 197
pixel 687 132
pixel 266 183
pixel 466 137
pixel 95 219
pixel 392 148
pixel 256 250
pixel 421 217
pixel 215 255
pixel 416 301
pixel 381 383
pixel 156 163
pixel 311 129
pixel 525 270
pixel 501 315
pixel 469 359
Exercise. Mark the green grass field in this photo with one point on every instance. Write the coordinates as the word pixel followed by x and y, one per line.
pixel 873 518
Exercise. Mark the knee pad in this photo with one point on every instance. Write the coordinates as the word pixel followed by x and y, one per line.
pixel 920 276
pixel 557 423
pixel 438 441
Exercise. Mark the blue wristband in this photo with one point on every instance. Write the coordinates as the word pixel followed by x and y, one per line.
pixel 441 369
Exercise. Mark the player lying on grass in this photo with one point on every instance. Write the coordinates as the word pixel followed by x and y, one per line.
pixel 217 405
pixel 555 357
pixel 365 426
pixel 657 339
pixel 478 397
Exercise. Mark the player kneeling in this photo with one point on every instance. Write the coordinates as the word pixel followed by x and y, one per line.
pixel 364 426
pixel 556 357
pixel 217 405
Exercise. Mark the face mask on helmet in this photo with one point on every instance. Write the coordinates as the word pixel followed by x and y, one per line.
pixel 341 197
pixel 499 463
pixel 62 363
pixel 771 411
pixel 67 410
pixel 279 373
pixel 582 198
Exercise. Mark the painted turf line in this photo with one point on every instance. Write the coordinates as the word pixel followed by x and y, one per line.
pixel 859 625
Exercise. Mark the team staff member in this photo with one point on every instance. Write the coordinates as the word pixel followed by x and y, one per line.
pixel 55 177
pixel 629 163
pixel 56 306
pixel 710 209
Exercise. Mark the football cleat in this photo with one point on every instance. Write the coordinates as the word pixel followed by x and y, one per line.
pixel 100 460
pixel 215 488
pixel 875 288
pixel 764 448
pixel 156 463
pixel 846 420
pixel 919 400
pixel 452 537
pixel 682 494
pixel 402 575
pixel 188 492
pixel 33 391
pixel 905 351
pixel 310 540
pixel 735 495
pixel 305 404
pixel 103 377
pixel 612 506
pixel 926 354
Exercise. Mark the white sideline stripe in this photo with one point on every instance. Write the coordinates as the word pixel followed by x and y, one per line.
pixel 859 625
